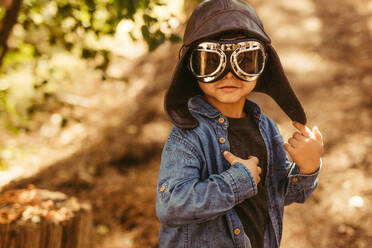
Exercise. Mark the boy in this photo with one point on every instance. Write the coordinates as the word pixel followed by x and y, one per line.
pixel 224 176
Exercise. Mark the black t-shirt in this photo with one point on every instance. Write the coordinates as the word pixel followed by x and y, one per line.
pixel 246 140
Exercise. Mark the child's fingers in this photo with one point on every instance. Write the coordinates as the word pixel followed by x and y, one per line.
pixel 258 180
pixel 289 149
pixel 298 136
pixel 231 158
pixel 318 134
pixel 293 142
pixel 254 159
pixel 305 131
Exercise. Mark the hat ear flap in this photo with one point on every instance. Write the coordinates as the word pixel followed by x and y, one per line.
pixel 183 87
pixel 274 82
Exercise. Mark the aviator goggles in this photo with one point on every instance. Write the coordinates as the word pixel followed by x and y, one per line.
pixel 212 60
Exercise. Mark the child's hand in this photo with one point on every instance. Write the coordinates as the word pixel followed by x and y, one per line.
pixel 305 148
pixel 251 163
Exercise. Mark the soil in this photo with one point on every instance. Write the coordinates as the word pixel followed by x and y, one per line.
pixel 325 47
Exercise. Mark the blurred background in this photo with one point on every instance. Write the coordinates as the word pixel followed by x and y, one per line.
pixel 81 107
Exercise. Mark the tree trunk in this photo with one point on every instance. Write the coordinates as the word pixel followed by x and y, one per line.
pixel 6 25
pixel 35 218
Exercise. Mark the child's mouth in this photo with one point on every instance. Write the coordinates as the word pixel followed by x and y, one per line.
pixel 228 88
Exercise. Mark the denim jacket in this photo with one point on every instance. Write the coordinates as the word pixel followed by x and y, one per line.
pixel 198 189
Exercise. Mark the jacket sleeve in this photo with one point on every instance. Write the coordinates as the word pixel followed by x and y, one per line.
pixel 299 186
pixel 184 198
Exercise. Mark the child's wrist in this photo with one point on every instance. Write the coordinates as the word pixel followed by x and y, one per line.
pixel 307 170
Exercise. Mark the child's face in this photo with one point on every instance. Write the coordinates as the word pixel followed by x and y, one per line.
pixel 227 90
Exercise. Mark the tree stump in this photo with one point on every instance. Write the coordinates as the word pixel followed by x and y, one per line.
pixel 36 218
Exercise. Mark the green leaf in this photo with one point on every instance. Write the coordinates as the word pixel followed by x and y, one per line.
pixel 129 6
pixel 91 5
pixel 2 12
pixel 160 3
pixel 88 53
pixel 153 40
pixel 145 33
pixel 157 39
pixel 174 38
pixel 106 60
pixel 149 20
pixel 65 10
pixel 143 4
pixel 3 166
pixel 24 53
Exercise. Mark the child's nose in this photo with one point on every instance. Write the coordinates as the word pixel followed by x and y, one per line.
pixel 229 75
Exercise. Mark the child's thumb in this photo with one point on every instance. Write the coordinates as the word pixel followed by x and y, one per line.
pixel 231 158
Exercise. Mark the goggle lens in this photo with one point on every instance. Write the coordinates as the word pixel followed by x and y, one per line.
pixel 250 62
pixel 204 62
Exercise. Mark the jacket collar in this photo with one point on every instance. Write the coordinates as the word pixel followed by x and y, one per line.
pixel 199 105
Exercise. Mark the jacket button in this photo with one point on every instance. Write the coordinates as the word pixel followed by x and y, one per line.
pixel 294 179
pixel 236 231
pixel 221 120
pixel 162 188
pixel 222 140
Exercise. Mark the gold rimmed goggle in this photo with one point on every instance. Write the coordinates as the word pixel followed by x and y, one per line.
pixel 208 61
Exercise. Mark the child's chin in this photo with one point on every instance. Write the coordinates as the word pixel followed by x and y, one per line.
pixel 228 99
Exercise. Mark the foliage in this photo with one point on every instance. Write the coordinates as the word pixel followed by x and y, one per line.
pixel 46 28
pixel 67 24
pixel 2 12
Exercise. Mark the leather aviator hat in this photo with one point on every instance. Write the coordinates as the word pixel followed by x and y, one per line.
pixel 210 19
